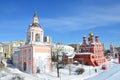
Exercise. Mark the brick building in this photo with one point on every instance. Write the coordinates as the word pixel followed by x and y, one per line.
pixel 91 52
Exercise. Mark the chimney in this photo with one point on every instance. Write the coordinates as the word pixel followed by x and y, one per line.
pixel 84 40
pixel 96 39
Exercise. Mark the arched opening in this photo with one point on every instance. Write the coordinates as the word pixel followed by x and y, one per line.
pixel 24 66
pixel 38 70
pixel 37 37
pixel 5 55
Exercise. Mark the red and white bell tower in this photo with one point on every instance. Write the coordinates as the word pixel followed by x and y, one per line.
pixel 35 54
pixel 35 33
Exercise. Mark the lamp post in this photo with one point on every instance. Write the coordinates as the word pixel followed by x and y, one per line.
pixel 69 67
pixel 57 64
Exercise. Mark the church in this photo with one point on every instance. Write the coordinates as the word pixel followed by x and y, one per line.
pixel 35 55
pixel 91 52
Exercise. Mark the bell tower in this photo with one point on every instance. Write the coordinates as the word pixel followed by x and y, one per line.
pixel 35 18
pixel 35 32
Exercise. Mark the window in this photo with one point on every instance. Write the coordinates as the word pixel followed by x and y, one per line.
pixel 24 51
pixel 29 50
pixel 29 56
pixel 37 37
pixel 28 37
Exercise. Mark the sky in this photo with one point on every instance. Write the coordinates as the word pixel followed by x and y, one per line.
pixel 66 21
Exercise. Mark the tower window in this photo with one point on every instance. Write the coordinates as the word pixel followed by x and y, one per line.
pixel 37 37
pixel 28 37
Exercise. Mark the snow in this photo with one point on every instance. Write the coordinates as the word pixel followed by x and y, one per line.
pixel 112 73
pixel 86 53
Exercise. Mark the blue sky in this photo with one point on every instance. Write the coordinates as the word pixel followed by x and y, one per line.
pixel 66 21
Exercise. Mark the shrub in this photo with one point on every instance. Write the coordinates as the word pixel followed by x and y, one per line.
pixel 80 71
pixel 17 77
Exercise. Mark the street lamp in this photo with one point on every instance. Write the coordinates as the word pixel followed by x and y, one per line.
pixel 58 51
pixel 57 64
pixel 69 67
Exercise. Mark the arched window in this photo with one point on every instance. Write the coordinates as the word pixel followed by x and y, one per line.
pixel 37 37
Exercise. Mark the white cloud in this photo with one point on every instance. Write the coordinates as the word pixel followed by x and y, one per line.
pixel 90 17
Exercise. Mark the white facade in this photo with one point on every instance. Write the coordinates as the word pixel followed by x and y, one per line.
pixel 62 48
pixel 68 49
pixel 113 51
pixel 35 56
pixel 16 58
pixel 1 50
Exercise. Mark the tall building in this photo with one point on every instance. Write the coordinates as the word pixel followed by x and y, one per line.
pixel 76 47
pixel 1 50
pixel 35 56
pixel 114 51
pixel 91 52
pixel 7 49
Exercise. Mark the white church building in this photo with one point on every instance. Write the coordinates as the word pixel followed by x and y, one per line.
pixel 35 55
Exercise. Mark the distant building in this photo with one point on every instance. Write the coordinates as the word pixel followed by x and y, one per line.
pixel 16 45
pixel 34 55
pixel 61 50
pixel 118 50
pixel 7 49
pixel 114 51
pixel 47 39
pixel 91 52
pixel 1 50
pixel 76 47
pixel 16 59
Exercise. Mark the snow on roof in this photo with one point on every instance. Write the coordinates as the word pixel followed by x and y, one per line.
pixel 66 46
pixel 63 46
pixel 85 53
pixel 70 55
pixel 16 52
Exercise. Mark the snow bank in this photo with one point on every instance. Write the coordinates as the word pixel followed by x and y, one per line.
pixel 112 73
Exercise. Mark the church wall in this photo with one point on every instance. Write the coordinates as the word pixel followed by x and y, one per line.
pixel 42 58
pixel 26 57
pixel 35 54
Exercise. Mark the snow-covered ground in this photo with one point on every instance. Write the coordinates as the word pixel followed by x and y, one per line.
pixel 112 73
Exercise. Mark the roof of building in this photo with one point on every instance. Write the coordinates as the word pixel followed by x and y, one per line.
pixel 35 14
pixel 82 53
pixel 70 55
